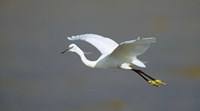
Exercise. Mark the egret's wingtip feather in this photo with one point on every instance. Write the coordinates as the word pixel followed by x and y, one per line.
pixel 69 38
pixel 72 38
pixel 152 39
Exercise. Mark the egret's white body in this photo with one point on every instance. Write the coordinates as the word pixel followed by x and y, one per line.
pixel 114 55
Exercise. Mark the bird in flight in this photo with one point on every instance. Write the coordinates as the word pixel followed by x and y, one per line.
pixel 114 55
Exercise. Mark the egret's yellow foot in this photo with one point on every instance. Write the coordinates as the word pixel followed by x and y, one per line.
pixel 160 82
pixel 154 83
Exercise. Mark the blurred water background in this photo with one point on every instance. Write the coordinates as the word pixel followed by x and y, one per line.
pixel 34 76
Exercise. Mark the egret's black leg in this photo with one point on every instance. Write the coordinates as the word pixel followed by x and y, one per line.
pixel 138 72
pixel 142 73
pixel 147 75
pixel 153 81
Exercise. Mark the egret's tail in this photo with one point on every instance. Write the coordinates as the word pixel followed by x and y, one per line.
pixel 138 63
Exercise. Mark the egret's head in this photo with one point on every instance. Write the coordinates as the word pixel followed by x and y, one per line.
pixel 72 48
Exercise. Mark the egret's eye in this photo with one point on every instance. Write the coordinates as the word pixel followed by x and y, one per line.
pixel 67 49
pixel 70 47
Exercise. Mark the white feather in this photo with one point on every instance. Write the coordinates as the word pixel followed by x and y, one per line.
pixel 123 56
pixel 114 55
pixel 103 44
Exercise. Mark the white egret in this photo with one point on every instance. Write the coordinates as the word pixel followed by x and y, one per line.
pixel 114 55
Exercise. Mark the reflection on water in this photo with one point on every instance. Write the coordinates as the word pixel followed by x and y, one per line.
pixel 192 72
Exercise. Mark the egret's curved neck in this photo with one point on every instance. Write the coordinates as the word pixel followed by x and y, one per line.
pixel 84 59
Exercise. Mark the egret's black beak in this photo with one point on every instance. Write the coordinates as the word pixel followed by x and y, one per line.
pixel 66 50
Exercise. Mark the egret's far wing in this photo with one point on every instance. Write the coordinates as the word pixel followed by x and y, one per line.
pixel 103 44
pixel 129 49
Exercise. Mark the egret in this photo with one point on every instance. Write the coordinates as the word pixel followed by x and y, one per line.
pixel 114 55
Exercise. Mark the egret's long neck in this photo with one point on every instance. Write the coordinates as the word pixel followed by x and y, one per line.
pixel 84 59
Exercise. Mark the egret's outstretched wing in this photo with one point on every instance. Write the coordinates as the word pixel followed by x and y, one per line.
pixel 128 50
pixel 103 44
